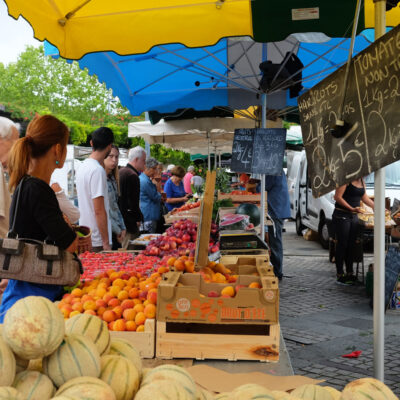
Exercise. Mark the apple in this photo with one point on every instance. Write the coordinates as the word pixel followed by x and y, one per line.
pixel 212 293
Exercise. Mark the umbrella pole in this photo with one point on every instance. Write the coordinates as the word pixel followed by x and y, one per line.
pixel 379 236
pixel 263 125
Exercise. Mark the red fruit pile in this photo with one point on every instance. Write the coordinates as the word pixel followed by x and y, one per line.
pixel 96 263
pixel 186 207
pixel 179 240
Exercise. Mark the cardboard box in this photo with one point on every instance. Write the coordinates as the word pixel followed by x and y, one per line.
pixel 243 263
pixel 184 298
pixel 218 381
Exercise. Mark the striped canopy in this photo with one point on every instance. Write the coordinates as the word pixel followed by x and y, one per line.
pixel 79 27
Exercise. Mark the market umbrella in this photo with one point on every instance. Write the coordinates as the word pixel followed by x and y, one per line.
pixel 199 135
pixel 225 75
pixel 79 27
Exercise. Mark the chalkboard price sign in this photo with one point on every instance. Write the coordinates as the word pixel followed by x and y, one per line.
pixel 371 108
pixel 258 151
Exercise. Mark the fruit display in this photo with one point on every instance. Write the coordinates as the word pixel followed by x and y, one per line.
pixel 120 378
pixel 252 211
pixel 96 263
pixel 241 193
pixel 186 207
pixel 123 299
pixel 180 239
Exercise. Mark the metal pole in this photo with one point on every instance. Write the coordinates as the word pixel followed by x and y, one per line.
pixel 379 236
pixel 263 125
pixel 215 157
pixel 220 159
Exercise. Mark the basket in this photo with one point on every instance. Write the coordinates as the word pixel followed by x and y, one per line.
pixel 84 242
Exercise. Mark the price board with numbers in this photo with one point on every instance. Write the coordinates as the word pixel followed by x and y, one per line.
pixel 371 108
pixel 258 151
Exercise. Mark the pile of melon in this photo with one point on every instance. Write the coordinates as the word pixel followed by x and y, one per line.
pixel 44 358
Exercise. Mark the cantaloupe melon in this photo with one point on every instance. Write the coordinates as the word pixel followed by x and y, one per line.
pixel 163 390
pixel 279 395
pixel 122 376
pixel 202 394
pixel 145 371
pixel 124 348
pixel 76 356
pixel 65 398
pixel 251 391
pixel 223 396
pixel 10 393
pixel 171 372
pixel 7 364
pixel 335 393
pixel 311 392
pixel 86 388
pixel 33 327
pixel 34 385
pixel 93 327
pixel 367 389
pixel 22 364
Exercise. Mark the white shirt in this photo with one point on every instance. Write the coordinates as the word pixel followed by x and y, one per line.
pixel 91 182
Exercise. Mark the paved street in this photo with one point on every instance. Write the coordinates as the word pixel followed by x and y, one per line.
pixel 321 320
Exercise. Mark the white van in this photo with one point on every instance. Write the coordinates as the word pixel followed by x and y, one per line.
pixel 316 214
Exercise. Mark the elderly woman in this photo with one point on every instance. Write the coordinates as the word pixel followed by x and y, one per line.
pixel 176 195
pixel 150 197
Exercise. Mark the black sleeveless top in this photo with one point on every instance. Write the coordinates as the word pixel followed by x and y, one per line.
pixel 352 195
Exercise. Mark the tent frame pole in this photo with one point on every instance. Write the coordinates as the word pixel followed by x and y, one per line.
pixel 379 236
pixel 263 125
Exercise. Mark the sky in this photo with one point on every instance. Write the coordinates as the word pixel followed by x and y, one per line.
pixel 14 36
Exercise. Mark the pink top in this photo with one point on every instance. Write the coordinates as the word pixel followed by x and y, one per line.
pixel 186 182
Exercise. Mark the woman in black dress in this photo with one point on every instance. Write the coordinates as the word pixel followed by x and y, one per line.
pixel 345 223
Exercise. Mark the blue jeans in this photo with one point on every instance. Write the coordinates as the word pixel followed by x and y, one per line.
pixel 275 243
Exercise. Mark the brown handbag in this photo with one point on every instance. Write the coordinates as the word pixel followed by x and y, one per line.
pixel 35 261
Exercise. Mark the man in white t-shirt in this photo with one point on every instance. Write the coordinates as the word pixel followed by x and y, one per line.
pixel 91 185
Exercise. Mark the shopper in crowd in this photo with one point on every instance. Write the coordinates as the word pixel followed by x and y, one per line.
pixel 278 210
pixel 118 228
pixel 150 197
pixel 31 163
pixel 130 193
pixel 163 209
pixel 8 136
pixel 187 180
pixel 91 186
pixel 176 196
pixel 345 226
pixel 71 213
pixel 197 182
pixel 166 175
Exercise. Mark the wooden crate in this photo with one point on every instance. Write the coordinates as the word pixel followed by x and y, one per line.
pixel 142 341
pixel 222 342
pixel 171 218
pixel 242 198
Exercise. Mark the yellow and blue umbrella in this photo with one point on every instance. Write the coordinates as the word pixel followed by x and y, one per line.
pixel 78 27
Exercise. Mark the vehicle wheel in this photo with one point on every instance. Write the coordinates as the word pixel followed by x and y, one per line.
pixel 323 233
pixel 299 225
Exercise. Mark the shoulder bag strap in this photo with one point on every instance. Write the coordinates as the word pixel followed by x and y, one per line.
pixel 12 232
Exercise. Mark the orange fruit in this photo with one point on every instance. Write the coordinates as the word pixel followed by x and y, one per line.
pixel 171 261
pixel 189 266
pixel 89 305
pixel 150 311
pixel 73 313
pixel 114 290
pixel 138 308
pixel 127 304
pixel 101 311
pixel 129 314
pixel 109 316
pixel 119 282
pixel 179 265
pixel 113 302
pixel 111 325
pixel 118 311
pixel 254 285
pixel 77 307
pixel 137 301
pixel 140 318
pixel 123 295
pixel 228 291
pixel 77 292
pixel 90 312
pixel 140 328
pixel 107 297
pixel 130 326
pixel 133 293
pixel 119 325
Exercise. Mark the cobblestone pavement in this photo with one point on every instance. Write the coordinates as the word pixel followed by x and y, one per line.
pixel 321 321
